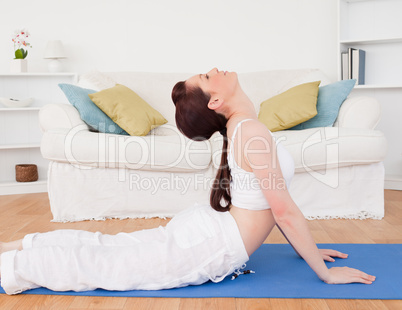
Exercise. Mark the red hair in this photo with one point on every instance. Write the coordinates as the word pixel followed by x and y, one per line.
pixel 197 122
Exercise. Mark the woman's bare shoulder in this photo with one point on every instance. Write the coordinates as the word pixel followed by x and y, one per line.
pixel 254 128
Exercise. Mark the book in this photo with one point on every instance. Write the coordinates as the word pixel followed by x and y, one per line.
pixel 345 66
pixel 350 51
pixel 353 63
pixel 358 65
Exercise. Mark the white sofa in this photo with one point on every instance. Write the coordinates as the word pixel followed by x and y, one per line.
pixel 339 170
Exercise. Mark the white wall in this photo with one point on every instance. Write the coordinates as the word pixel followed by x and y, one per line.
pixel 176 35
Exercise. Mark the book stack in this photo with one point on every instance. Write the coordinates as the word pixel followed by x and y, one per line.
pixel 353 65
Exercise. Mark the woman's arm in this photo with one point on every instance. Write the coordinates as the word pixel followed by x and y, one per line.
pixel 288 240
pixel 326 254
pixel 260 154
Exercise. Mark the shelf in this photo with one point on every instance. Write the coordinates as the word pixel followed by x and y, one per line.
pixel 372 41
pixel 20 109
pixel 352 1
pixel 39 74
pixel 20 142
pixel 377 86
pixel 19 146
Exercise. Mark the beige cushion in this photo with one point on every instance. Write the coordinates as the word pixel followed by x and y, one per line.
pixel 128 110
pixel 290 108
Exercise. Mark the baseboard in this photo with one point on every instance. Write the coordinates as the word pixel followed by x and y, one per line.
pixel 393 182
pixel 12 188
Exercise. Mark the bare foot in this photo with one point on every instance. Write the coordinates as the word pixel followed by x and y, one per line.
pixel 10 246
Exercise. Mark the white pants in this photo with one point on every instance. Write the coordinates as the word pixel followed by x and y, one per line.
pixel 197 245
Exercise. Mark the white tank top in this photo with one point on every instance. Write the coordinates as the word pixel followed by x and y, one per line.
pixel 245 188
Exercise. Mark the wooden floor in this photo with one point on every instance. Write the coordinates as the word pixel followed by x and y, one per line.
pixel 22 214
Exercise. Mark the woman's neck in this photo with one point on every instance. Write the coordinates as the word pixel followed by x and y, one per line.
pixel 240 107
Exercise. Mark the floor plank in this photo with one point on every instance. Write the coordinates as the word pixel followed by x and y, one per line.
pixel 392 304
pixel 7 302
pixel 314 304
pixel 207 303
pixel 253 304
pixel 90 302
pixel 152 303
pixel 41 302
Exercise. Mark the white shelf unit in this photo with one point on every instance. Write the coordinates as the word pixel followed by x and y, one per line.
pixel 376 27
pixel 20 134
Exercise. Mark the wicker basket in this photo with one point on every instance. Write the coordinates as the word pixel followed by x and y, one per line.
pixel 26 173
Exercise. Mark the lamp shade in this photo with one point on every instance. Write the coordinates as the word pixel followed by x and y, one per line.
pixel 54 49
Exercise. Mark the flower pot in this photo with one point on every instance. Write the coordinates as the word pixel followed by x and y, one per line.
pixel 19 65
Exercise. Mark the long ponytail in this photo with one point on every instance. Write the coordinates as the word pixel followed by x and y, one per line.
pixel 220 192
pixel 197 122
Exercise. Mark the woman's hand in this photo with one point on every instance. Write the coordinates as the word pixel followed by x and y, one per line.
pixel 343 275
pixel 327 254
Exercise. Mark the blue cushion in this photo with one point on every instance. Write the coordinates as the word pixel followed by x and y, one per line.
pixel 89 111
pixel 329 100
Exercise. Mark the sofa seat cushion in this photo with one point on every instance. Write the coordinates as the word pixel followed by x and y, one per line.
pixel 331 147
pixel 325 147
pixel 152 152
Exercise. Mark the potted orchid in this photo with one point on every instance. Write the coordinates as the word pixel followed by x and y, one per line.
pixel 20 39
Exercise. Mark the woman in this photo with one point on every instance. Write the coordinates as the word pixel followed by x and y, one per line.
pixel 200 243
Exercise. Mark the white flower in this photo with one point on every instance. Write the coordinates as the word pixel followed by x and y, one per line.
pixel 20 38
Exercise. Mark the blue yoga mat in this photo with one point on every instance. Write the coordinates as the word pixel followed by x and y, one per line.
pixel 280 273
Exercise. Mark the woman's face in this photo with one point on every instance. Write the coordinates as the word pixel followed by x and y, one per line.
pixel 216 83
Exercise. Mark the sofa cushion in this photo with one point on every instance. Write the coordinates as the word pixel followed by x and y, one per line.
pixel 89 112
pixel 154 88
pixel 128 110
pixel 95 80
pixel 290 108
pixel 331 147
pixel 325 147
pixel 171 152
pixel 329 101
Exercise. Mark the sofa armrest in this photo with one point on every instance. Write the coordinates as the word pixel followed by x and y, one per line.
pixel 53 116
pixel 359 112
